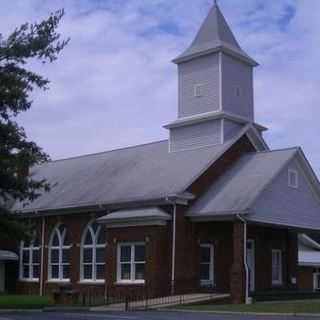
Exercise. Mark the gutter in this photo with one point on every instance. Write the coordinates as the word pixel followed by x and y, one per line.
pixel 247 299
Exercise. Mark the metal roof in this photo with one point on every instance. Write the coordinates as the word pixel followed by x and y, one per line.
pixel 129 215
pixel 139 173
pixel 214 35
pixel 8 256
pixel 239 187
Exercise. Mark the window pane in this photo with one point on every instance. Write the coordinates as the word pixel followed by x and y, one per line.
pixel 54 256
pixel 87 271
pixel 102 236
pixel 36 272
pixel 139 271
pixel 25 256
pixel 65 255
pixel 139 253
pixel 100 271
pixel 125 253
pixel 65 271
pixel 87 255
pixel 100 255
pixel 36 242
pixel 55 240
pixel 36 256
pixel 26 271
pixel 125 271
pixel 54 272
pixel 95 227
pixel 205 254
pixel 88 238
pixel 204 271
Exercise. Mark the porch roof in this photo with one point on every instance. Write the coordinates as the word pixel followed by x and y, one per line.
pixel 143 216
pixel 8 256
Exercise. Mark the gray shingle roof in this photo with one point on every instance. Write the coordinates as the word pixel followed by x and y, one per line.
pixel 144 172
pixel 238 188
pixel 214 34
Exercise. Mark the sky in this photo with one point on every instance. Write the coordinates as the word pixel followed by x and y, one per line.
pixel 114 84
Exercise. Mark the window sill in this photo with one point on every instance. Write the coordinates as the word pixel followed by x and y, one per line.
pixel 58 281
pixel 130 283
pixel 277 284
pixel 92 282
pixel 29 280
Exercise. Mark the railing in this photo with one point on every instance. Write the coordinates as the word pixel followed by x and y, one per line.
pixel 141 298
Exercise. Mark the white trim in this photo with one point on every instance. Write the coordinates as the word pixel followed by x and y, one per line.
pixel 93 247
pixel 220 82
pixel 222 131
pixel 293 173
pixel 278 282
pixel 60 248
pixel 30 249
pixel 42 256
pixel 132 263
pixel 58 281
pixel 198 90
pixel 90 282
pixel 210 281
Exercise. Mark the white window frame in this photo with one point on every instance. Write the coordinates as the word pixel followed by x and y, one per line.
pixel 293 184
pixel 94 246
pixel 210 281
pixel 279 281
pixel 132 263
pixel 30 249
pixel 61 247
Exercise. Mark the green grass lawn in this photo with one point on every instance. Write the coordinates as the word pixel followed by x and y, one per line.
pixel 23 302
pixel 309 306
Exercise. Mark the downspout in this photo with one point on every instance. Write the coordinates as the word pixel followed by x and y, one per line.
pixel 245 257
pixel 42 257
pixel 173 266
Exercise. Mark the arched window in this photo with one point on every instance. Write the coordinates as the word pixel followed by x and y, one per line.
pixel 93 253
pixel 59 250
pixel 30 260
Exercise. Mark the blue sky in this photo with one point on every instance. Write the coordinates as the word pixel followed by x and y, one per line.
pixel 114 84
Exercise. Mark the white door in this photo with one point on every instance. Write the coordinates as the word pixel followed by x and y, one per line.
pixel 2 277
pixel 251 264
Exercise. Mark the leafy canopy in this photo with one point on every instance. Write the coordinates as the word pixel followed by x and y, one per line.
pixel 29 42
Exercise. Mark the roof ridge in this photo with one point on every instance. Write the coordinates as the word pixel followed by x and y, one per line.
pixel 104 152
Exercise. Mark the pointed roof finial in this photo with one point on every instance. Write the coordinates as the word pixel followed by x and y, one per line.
pixel 214 35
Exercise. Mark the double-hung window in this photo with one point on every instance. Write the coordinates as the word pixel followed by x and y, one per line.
pixel 276 267
pixel 131 263
pixel 206 265
pixel 30 261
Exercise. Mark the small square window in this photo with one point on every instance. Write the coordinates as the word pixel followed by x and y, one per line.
pixel 198 90
pixel 293 178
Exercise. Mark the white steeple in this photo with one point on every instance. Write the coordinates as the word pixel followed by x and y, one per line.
pixel 215 89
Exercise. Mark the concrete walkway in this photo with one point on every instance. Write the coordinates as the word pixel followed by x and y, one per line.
pixel 162 302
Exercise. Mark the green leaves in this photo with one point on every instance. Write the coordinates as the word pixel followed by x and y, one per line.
pixel 39 41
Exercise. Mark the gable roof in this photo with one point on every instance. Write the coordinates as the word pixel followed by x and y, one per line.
pixel 140 173
pixel 237 189
pixel 214 35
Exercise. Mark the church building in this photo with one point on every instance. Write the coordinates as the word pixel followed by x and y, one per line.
pixel 210 209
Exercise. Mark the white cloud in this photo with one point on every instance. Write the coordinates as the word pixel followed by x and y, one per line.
pixel 114 84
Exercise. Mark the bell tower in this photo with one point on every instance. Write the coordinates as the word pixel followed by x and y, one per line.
pixel 215 87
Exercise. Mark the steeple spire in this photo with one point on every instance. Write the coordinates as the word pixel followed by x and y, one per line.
pixel 214 35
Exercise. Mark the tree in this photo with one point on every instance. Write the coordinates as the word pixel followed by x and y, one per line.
pixel 38 41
